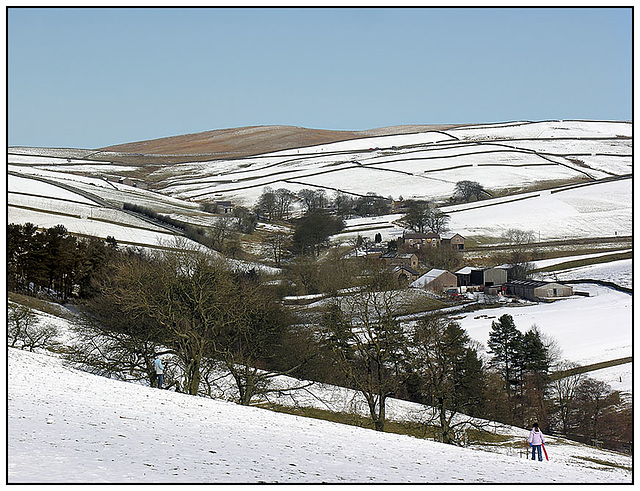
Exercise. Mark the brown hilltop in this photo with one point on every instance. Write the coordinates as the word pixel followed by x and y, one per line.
pixel 242 142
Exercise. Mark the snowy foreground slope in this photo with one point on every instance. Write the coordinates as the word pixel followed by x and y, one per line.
pixel 69 426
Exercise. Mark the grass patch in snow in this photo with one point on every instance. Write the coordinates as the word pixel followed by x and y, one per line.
pixel 603 462
pixel 538 186
pixel 40 305
pixel 586 262
pixel 414 429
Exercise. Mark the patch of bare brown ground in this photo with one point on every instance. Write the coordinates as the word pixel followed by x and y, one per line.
pixel 242 142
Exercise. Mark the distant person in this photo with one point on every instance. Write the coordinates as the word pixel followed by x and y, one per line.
pixel 536 440
pixel 159 371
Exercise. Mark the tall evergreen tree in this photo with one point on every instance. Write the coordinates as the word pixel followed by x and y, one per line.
pixel 534 375
pixel 505 343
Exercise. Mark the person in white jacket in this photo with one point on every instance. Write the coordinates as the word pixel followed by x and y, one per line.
pixel 536 440
pixel 159 371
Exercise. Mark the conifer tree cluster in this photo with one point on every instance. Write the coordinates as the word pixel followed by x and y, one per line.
pixel 53 262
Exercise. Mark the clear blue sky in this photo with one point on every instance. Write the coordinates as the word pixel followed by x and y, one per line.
pixel 89 78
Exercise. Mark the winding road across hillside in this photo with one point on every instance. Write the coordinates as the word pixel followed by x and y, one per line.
pixel 99 201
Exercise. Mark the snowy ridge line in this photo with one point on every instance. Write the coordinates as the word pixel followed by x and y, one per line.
pixel 62 185
pixel 509 124
pixel 564 164
pixel 580 241
pixel 100 201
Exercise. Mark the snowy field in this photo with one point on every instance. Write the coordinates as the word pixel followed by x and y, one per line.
pixel 69 426
pixel 586 329
pixel 66 426
pixel 420 165
pixel 617 272
pixel 597 210
pixel 47 205
pixel 544 263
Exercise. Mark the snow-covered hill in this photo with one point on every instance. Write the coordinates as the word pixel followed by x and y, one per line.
pixel 511 159
pixel 66 426
pixel 421 165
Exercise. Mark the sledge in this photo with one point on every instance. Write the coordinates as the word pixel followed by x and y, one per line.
pixel 545 452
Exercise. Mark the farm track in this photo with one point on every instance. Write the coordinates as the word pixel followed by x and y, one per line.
pixel 100 201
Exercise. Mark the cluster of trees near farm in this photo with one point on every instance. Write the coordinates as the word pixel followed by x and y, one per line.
pixel 322 216
pixel 214 321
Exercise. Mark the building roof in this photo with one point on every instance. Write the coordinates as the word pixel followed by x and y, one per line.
pixel 450 235
pixel 428 277
pixel 533 283
pixel 408 269
pixel 469 269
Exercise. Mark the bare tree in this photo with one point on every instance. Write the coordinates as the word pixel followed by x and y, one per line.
pixel 564 392
pixel 221 232
pixel 313 199
pixel 208 312
pixel 266 205
pixel 277 244
pixel 108 342
pixel 26 331
pixel 284 200
pixel 437 222
pixel 520 252
pixel 368 343
pixel 446 362
pixel 466 190
pixel 423 217
pixel 186 292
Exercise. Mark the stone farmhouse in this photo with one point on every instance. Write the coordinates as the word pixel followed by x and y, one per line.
pixel 417 240
pixel 396 259
pixel 420 240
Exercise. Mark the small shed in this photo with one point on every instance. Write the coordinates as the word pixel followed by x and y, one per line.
pixel 455 241
pixel 224 207
pixel 470 276
pixel 437 280
pixel 538 291
pixel 406 273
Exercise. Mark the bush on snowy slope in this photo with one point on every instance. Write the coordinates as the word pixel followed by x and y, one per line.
pixel 26 330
